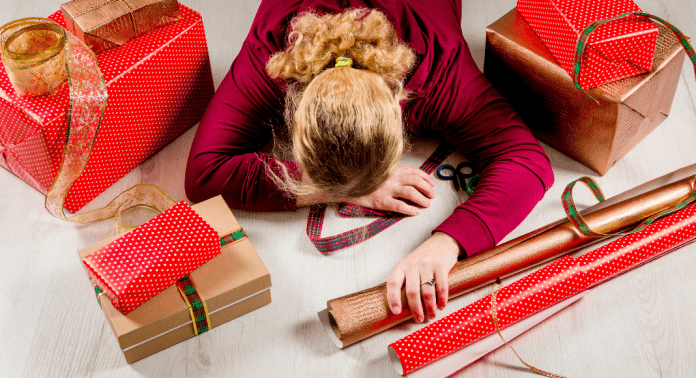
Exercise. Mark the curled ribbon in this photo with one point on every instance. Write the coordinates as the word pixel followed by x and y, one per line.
pixel 51 55
pixel 494 315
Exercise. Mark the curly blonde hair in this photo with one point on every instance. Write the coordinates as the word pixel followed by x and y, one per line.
pixel 345 123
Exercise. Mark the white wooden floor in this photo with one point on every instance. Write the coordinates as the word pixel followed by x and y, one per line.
pixel 638 325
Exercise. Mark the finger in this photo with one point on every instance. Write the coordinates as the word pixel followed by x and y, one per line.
pixel 393 204
pixel 409 193
pixel 416 172
pixel 428 295
pixel 413 295
pixel 442 285
pixel 394 285
pixel 420 184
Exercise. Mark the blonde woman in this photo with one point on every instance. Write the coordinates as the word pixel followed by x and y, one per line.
pixel 345 81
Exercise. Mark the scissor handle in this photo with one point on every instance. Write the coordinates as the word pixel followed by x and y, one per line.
pixel 445 167
pixel 463 166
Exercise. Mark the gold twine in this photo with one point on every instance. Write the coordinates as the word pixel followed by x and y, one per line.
pixel 494 315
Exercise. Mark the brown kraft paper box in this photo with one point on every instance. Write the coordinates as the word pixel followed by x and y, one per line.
pixel 103 24
pixel 596 134
pixel 232 284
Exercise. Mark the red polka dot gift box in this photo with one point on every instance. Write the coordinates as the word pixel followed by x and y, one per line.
pixel 145 261
pixel 595 133
pixel 191 268
pixel 158 86
pixel 619 49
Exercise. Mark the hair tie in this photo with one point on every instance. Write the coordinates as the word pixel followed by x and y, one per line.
pixel 342 61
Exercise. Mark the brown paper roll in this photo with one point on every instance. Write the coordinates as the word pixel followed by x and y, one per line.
pixel 355 317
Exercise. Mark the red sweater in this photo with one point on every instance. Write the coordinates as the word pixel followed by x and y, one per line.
pixel 450 98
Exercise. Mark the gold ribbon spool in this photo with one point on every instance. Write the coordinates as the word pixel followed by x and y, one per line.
pixel 33 52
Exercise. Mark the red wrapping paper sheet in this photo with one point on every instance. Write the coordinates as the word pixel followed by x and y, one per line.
pixel 152 257
pixel 540 290
pixel 615 51
pixel 158 86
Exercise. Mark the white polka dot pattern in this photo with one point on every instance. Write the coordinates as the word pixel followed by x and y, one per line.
pixel 158 86
pixel 545 287
pixel 633 250
pixel 522 298
pixel 147 260
pixel 614 51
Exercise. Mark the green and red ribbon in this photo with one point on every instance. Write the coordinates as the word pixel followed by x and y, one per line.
pixel 585 35
pixel 576 219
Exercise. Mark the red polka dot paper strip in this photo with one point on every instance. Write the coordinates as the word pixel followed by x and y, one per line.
pixel 158 86
pixel 615 51
pixel 542 289
pixel 152 257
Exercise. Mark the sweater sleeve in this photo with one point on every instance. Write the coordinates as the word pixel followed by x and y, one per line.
pixel 224 157
pixel 467 111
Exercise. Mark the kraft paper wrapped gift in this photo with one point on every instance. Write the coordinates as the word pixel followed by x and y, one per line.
pixel 596 134
pixel 143 111
pixel 232 284
pixel 103 24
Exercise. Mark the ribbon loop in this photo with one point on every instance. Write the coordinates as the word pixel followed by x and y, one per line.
pixel 577 220
pixel 346 239
pixel 585 34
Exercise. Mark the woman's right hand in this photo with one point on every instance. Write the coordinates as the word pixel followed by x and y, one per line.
pixel 406 183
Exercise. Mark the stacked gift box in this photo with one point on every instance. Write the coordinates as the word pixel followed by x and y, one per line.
pixel 158 86
pixel 632 66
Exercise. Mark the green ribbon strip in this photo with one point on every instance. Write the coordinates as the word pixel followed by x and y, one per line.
pixel 585 34
pixel 576 219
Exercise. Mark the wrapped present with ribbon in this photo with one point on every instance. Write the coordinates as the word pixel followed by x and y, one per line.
pixel 599 130
pixel 103 24
pixel 72 141
pixel 453 342
pixel 621 49
pixel 355 317
pixel 145 261
pixel 194 269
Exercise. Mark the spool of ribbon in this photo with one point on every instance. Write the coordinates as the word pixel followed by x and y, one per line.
pixel 33 53
pixel 39 55
pixel 585 35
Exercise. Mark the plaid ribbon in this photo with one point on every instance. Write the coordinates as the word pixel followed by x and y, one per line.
pixel 195 303
pixel 585 35
pixel 576 219
pixel 315 221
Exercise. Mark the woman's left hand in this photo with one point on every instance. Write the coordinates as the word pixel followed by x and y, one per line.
pixel 432 259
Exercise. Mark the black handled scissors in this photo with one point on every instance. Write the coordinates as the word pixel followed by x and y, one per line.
pixel 464 176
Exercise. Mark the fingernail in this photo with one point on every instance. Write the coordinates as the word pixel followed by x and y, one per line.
pixel 419 319
pixel 396 309
pixel 440 308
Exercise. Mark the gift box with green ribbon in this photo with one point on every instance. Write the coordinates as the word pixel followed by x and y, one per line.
pixel 229 285
pixel 598 130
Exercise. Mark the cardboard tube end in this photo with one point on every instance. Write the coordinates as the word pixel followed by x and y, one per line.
pixel 396 362
pixel 329 324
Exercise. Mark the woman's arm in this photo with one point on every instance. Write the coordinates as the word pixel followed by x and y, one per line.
pixel 224 157
pixel 470 114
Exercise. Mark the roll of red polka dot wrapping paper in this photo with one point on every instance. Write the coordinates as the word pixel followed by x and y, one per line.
pixel 152 257
pixel 541 290
pixel 158 86
pixel 615 51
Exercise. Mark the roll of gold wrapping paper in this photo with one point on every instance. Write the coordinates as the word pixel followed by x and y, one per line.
pixel 355 317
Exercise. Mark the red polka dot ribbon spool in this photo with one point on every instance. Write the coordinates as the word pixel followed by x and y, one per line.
pixel 145 261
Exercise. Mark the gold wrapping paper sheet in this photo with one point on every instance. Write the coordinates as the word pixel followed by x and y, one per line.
pixel 103 24
pixel 596 134
pixel 33 53
pixel 357 316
